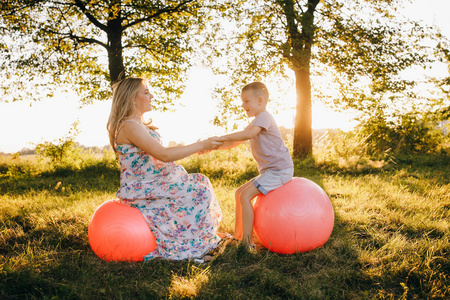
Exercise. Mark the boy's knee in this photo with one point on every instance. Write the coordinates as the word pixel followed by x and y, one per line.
pixel 237 194
pixel 245 197
pixel 240 190
pixel 250 193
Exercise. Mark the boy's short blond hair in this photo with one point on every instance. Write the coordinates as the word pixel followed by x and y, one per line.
pixel 258 88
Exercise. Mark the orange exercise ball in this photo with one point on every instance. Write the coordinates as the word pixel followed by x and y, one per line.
pixel 296 217
pixel 118 232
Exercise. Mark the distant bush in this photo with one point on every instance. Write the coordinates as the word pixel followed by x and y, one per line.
pixel 63 152
pixel 59 153
pixel 346 151
pixel 409 133
pixel 379 141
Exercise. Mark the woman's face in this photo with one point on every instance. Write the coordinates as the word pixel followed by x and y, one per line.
pixel 143 100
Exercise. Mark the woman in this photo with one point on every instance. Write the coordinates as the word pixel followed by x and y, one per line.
pixel 180 208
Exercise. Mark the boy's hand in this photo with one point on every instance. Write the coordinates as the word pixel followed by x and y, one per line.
pixel 217 141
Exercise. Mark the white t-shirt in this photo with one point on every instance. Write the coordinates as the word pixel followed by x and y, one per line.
pixel 268 147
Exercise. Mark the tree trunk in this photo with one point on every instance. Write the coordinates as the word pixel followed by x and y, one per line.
pixel 115 49
pixel 115 58
pixel 300 57
pixel 302 130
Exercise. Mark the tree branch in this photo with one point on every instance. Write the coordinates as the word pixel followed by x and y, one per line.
pixel 8 9
pixel 77 39
pixel 91 18
pixel 312 4
pixel 158 13
pixel 289 13
pixel 87 40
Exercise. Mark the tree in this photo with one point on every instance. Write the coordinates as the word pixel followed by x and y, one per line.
pixel 444 83
pixel 86 45
pixel 364 45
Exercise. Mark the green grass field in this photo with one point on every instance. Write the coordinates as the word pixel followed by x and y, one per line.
pixel 390 239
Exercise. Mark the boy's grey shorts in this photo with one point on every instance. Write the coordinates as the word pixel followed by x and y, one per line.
pixel 271 179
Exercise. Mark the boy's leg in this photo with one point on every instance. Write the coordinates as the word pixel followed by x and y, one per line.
pixel 238 210
pixel 264 183
pixel 248 193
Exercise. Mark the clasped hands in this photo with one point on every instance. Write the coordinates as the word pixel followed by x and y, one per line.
pixel 212 143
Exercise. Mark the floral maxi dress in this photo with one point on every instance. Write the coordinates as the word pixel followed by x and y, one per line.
pixel 180 208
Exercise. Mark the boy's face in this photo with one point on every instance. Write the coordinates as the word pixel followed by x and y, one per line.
pixel 252 103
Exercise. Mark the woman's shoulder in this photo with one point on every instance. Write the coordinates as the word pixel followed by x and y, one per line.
pixel 132 123
pixel 127 128
pixel 135 131
pixel 136 125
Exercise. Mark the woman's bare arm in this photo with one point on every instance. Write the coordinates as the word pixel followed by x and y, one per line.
pixel 137 134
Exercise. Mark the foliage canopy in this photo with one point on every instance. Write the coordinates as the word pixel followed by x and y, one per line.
pixel 360 51
pixel 86 45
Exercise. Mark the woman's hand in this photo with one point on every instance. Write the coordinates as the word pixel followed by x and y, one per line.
pixel 213 143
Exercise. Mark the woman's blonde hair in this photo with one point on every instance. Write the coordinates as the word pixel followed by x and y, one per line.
pixel 123 105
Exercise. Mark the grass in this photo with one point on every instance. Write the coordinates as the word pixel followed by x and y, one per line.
pixel 390 239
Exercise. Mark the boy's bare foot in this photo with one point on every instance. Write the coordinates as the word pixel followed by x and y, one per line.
pixel 250 246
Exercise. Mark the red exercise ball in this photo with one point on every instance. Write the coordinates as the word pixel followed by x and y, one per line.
pixel 118 232
pixel 296 217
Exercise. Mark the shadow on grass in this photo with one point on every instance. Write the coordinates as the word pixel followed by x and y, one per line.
pixel 330 272
pixel 46 262
pixel 74 272
pixel 336 270
pixel 99 176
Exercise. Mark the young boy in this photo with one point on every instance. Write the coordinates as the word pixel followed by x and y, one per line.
pixel 275 164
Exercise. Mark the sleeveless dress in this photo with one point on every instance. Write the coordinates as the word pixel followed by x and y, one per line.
pixel 180 208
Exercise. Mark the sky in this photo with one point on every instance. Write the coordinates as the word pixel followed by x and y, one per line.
pixel 24 124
